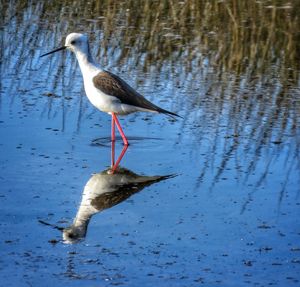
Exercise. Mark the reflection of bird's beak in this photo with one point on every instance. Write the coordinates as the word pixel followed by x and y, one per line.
pixel 56 50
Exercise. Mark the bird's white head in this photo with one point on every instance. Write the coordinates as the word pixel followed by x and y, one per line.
pixel 77 42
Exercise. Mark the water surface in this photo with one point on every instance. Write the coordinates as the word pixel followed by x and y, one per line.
pixel 230 216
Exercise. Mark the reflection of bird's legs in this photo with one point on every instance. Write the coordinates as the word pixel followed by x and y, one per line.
pixel 120 129
pixel 115 166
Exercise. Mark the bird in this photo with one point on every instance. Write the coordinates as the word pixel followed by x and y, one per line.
pixel 105 90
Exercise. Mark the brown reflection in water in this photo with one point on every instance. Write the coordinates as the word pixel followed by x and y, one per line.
pixel 235 36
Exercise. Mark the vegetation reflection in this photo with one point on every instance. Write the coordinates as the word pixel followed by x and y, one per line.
pixel 231 67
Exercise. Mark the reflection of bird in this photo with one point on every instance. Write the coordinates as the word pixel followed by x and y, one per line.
pixel 102 191
pixel 106 91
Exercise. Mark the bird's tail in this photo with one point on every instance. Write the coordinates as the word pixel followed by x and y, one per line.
pixel 163 111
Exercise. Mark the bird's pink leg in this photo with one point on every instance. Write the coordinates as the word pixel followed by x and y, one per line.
pixel 120 129
pixel 112 154
pixel 115 166
pixel 113 135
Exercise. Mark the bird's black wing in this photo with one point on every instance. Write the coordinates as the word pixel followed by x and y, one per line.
pixel 113 85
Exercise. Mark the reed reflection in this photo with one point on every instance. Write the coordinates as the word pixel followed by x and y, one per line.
pixel 231 66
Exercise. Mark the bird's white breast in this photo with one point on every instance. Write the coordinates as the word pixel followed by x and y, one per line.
pixel 100 100
pixel 106 103
pixel 89 70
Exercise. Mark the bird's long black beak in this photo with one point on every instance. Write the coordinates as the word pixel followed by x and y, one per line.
pixel 56 50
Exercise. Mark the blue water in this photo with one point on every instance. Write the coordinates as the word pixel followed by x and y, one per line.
pixel 230 216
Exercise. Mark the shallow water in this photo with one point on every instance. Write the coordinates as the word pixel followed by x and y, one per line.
pixel 228 215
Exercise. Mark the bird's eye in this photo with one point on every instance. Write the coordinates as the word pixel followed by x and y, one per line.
pixel 73 42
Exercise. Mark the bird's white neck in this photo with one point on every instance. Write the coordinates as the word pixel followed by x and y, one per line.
pixel 86 62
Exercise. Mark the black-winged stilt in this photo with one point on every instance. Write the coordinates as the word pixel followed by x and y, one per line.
pixel 106 91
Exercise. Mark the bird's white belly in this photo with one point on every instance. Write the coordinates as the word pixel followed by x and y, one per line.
pixel 104 102
pixel 101 101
